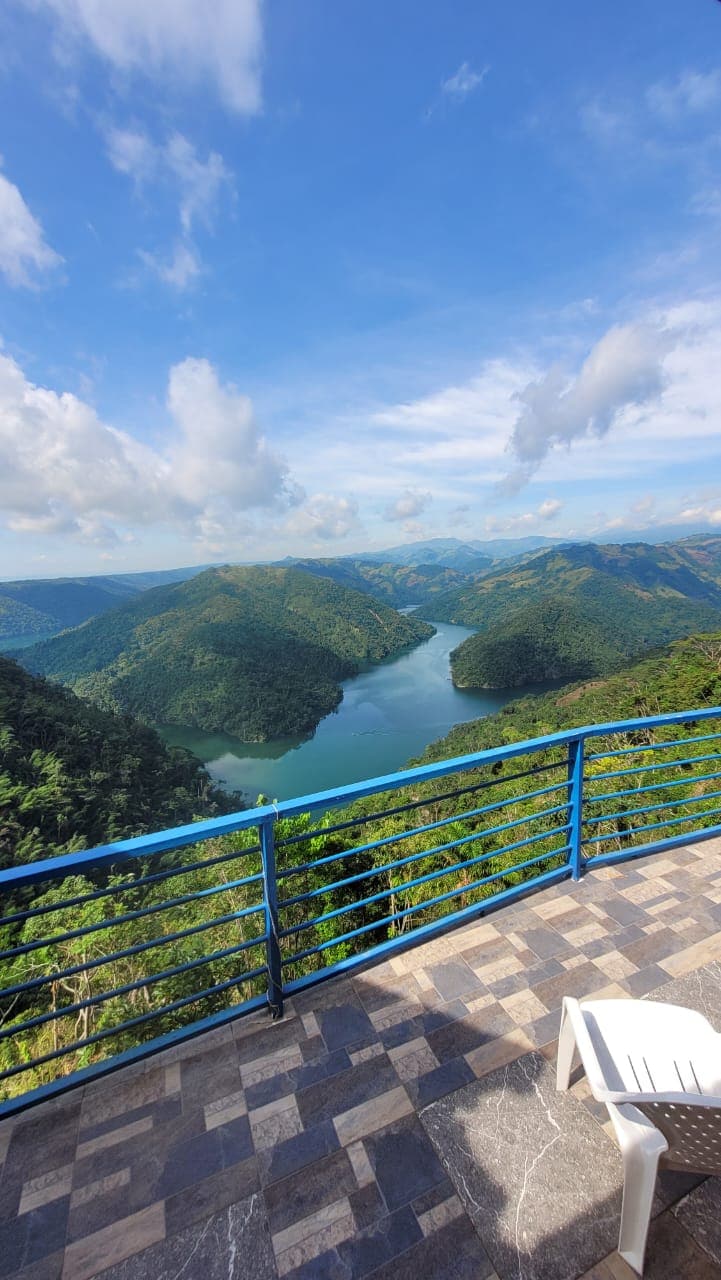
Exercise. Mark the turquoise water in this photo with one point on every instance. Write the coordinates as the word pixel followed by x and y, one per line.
pixel 388 714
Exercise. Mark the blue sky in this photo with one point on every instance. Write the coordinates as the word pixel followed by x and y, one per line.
pixel 306 278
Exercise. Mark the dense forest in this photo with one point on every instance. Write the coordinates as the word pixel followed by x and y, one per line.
pixel 72 776
pixel 255 652
pixel 201 916
pixel 398 585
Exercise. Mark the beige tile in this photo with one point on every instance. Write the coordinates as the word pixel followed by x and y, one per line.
pixel 611 992
pixel 48 1186
pixel 360 1163
pixel 614 965
pixel 222 1111
pixel 312 1226
pixel 572 962
pixel 172 1079
pixel 693 957
pixel 287 1059
pixel 111 1139
pixel 524 1007
pixel 440 1215
pixel 498 1052
pixel 100 1187
pixel 424 981
pixel 639 893
pixel 656 868
pixel 384 1018
pixel 587 933
pixel 597 911
pixel 550 908
pixel 369 1116
pixel 474 935
pixel 413 1065
pixel 364 1055
pixel 276 1122
pixel 480 1002
pixel 310 1024
pixel 104 1249
pixel 500 969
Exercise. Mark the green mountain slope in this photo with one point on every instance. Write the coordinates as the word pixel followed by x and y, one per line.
pixel 72 776
pixel 553 639
pixel 398 585
pixel 256 652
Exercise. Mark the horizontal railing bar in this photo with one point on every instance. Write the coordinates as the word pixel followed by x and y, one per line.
pixel 649 768
pixel 383 841
pixel 424 853
pixel 52 1015
pixel 438 874
pixel 162 940
pixel 127 916
pixel 654 846
pixel 402 942
pixel 654 786
pixel 194 833
pixel 653 746
pixel 652 808
pixel 424 801
pixel 155 878
pixel 422 906
pixel 142 1018
pixel 651 826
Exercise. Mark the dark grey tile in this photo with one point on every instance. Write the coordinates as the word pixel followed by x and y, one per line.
pixel 368 1205
pixel 671 1251
pixel 579 982
pixel 471 1032
pixel 201 1200
pixel 345 1024
pixel 286 1082
pixel 310 1189
pixel 206 1154
pixel 453 1253
pixel 404 1161
pixel 232 1245
pixel 348 1089
pixel 546 943
pixel 47 1140
pixel 297 1152
pixel 436 1083
pixel 454 979
pixel 544 1029
pixel 33 1236
pixel 384 1240
pixel 646 980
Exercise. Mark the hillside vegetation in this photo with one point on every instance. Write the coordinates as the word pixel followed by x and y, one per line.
pixel 580 610
pixel 396 584
pixel 72 776
pixel 255 652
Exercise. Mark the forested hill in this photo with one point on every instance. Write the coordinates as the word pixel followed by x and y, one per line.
pixel 396 584
pixel 72 776
pixel 686 675
pixel 255 652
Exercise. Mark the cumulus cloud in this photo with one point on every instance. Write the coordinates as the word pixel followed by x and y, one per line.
pixel 179 270
pixel 410 504
pixel 549 508
pixel 623 369
pixel 463 81
pixel 25 256
pixel 65 471
pixel 526 520
pixel 324 517
pixel 170 42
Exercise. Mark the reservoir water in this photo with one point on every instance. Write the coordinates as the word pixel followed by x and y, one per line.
pixel 389 714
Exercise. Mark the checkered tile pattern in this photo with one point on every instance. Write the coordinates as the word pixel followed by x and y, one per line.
pixel 305 1133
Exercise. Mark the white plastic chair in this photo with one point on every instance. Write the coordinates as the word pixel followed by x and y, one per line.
pixel 657 1067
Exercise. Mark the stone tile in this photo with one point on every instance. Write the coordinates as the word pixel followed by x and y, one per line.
pixel 700 1214
pixel 369 1116
pixel 132 1090
pixel 201 1200
pixel 453 978
pixel 113 1137
pixel 579 982
pixel 297 1153
pixel 345 1024
pixel 199 1157
pixel 299 1196
pixel 498 1052
pixel 483 1135
pixel 378 1243
pixel 46 1141
pixel 375 995
pixel 232 1245
pixel 124 1238
pixel 404 1161
pixel 330 1097
pixel 469 1033
pixel 46 1187
pixel 671 1254
pixel 223 1110
pixel 442 1080
pixel 275 1122
pixel 693 957
pixel 524 1007
pixel 453 1253
pixel 314 1235
pixel 36 1235
pixel 413 1059
pixel 646 980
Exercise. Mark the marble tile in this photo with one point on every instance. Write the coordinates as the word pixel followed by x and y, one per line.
pixel 538 1177
pixel 115 1243
pixel 232 1245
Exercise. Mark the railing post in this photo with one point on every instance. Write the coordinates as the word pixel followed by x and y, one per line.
pixel 266 830
pixel 575 805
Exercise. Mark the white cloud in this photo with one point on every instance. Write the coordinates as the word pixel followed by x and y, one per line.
pixel 179 271
pixel 692 93
pixel 198 183
pixel 549 508
pixel 171 42
pixel 324 517
pixel 65 471
pixel 410 503
pixel 526 520
pixel 463 81
pixel 25 256
pixel 623 369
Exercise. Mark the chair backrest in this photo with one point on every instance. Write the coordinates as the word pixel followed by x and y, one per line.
pixel 692 1131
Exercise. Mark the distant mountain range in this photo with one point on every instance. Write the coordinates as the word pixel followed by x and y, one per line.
pixel 254 651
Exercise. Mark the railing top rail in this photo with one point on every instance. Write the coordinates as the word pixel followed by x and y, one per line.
pixel 195 832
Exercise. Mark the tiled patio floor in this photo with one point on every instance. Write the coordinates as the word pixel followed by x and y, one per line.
pixel 295 1149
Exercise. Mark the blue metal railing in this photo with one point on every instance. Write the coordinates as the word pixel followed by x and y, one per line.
pixel 113 953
